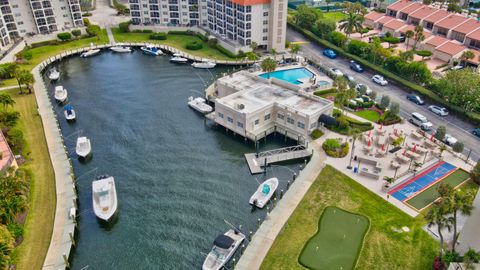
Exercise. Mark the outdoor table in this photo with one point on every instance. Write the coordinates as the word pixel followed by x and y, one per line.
pixel 421 150
pixel 416 135
pixel 393 137
pixel 395 164
pixel 402 158
pixel 413 154
pixel 429 143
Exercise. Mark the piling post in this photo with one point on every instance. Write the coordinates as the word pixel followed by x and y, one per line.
pixel 250 236
pixel 288 184
pixel 275 202
pixel 294 176
pixel 258 223
pixel 65 259
pixel 71 238
pixel 281 193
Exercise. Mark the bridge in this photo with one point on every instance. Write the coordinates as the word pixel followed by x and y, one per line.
pixel 257 161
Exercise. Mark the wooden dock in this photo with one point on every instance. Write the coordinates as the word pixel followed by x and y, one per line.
pixel 256 162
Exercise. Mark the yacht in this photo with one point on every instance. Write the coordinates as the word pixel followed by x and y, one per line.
pixel 204 65
pixel 89 53
pixel 121 49
pixel 54 74
pixel 69 113
pixel 223 249
pixel 152 50
pixel 199 104
pixel 104 197
pixel 83 148
pixel 177 58
pixel 61 93
pixel 264 192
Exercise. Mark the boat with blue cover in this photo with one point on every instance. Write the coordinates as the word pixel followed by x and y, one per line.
pixel 264 192
pixel 69 113
pixel 152 50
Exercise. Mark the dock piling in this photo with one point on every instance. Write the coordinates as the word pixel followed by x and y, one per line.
pixel 281 193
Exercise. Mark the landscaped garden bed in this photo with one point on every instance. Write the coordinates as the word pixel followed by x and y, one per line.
pixel 335 148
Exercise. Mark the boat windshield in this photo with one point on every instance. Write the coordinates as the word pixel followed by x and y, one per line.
pixel 219 253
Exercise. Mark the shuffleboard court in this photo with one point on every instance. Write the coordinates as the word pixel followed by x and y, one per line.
pixel 422 181
pixel 338 241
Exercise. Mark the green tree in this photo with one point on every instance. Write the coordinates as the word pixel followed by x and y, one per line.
pixel 391 40
pixel 294 49
pixel 458 147
pixel 452 7
pixel 124 27
pixel 373 95
pixel 423 54
pixel 460 87
pixel 338 39
pixel 437 216
pixel 406 56
pixel 458 201
pixel 25 77
pixel 352 23
pixel 408 35
pixel 253 45
pixel 440 133
pixel 305 17
pixel 394 108
pixel 64 36
pixel 76 33
pixel 385 101
pixel 6 100
pixel 324 27
pixel 418 36
pixel 268 65
pixel 467 55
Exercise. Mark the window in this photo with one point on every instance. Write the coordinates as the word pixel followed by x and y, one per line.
pixel 313 125
pixel 220 115
pixel 267 117
pixel 265 38
pixel 290 120
pixel 229 119
pixel 265 22
pixel 301 125
pixel 265 13
pixel 256 122
pixel 240 124
pixel 280 116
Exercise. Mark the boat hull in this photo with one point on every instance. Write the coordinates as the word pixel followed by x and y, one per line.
pixel 200 105
pixel 121 49
pixel 90 53
pixel 213 263
pixel 260 199
pixel 150 52
pixel 97 186
pixel 204 65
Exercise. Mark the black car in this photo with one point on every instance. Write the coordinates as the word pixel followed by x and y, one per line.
pixel 416 99
pixel 401 38
pixel 356 66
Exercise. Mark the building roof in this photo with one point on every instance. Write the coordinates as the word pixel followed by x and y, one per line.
pixel 469 236
pixel 436 41
pixel 413 7
pixel 423 12
pixel 399 5
pixel 437 16
pixel 408 27
pixel 451 21
pixel 373 16
pixel 467 26
pixel 474 35
pixel 250 2
pixel 451 48
pixel 395 24
pixel 385 19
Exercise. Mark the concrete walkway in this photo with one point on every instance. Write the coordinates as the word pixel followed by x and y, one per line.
pixel 110 35
pixel 273 224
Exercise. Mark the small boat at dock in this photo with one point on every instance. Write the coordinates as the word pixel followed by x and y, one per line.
pixel 121 49
pixel 104 197
pixel 223 249
pixel 264 192
pixel 69 113
pixel 199 104
pixel 61 93
pixel 89 53
pixel 152 50
pixel 177 58
pixel 83 148
pixel 204 65
pixel 54 74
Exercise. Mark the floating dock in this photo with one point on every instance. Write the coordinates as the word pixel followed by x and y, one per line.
pixel 257 161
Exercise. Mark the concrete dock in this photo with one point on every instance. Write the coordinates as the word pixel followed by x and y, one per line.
pixel 257 161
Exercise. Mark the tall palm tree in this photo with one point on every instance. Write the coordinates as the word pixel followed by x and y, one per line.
pixel 355 134
pixel 418 36
pixel 6 100
pixel 268 65
pixel 437 216
pixel 352 23
pixel 458 201
pixel 408 35
pixel 294 49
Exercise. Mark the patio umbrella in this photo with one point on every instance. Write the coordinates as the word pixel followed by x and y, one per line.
pixel 383 147
pixel 405 151
pixel 414 148
pixel 431 137
pixel 369 143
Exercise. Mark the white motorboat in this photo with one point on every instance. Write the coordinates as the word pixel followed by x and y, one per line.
pixel 54 74
pixel 204 65
pixel 104 197
pixel 264 192
pixel 199 104
pixel 121 49
pixel 152 50
pixel 83 148
pixel 61 93
pixel 89 53
pixel 69 113
pixel 177 58
pixel 223 249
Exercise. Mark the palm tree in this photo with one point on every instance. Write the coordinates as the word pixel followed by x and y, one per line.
pixel 458 201
pixel 6 100
pixel 466 55
pixel 268 65
pixel 294 49
pixel 253 46
pixel 274 53
pixel 418 36
pixel 470 258
pixel 441 149
pixel 355 135
pixel 352 23
pixel 408 35
pixel 25 77
pixel 436 216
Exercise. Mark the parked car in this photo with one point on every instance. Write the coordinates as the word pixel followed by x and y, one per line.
pixel 476 132
pixel 379 80
pixel 337 72
pixel 401 38
pixel 360 85
pixel 356 66
pixel 421 121
pixel 457 67
pixel 330 54
pixel 416 99
pixel 349 78
pixel 438 110
pixel 449 139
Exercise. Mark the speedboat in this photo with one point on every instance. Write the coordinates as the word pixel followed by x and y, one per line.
pixel 121 49
pixel 104 197
pixel 177 58
pixel 199 104
pixel 69 113
pixel 84 148
pixel 54 74
pixel 152 50
pixel 204 65
pixel 264 192
pixel 89 53
pixel 61 93
pixel 223 249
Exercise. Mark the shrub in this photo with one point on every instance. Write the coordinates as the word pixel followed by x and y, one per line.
pixel 178 32
pixel 93 30
pixel 385 101
pixel 368 104
pixel 24 54
pixel 147 31
pixel 16 140
pixel 475 173
pixel 334 148
pixel 76 33
pixel 337 38
pixel 86 22
pixel 389 118
pixel 15 229
pixel 194 45
pixel 441 132
pixel 158 36
pixel 317 133
pixel 458 147
pixel 44 43
pixel 324 92
pixel 124 27
pixel 64 36
pixel 213 42
pixel 226 52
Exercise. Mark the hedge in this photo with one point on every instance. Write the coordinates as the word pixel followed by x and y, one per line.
pixel 178 32
pixel 158 36
pixel 472 116
pixel 44 43
pixel 194 45
pixel 324 92
pixel 64 36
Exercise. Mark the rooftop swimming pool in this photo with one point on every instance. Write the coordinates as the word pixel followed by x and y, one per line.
pixel 290 75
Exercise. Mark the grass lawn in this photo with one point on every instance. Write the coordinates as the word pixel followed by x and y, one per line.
pixel 372 116
pixel 31 253
pixel 338 241
pixel 383 248
pixel 176 41
pixel 429 195
pixel 334 15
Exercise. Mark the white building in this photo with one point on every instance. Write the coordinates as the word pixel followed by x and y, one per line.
pixel 22 17
pixel 236 23
pixel 254 107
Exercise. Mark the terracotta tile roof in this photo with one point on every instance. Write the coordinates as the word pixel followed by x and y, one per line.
pixel 385 19
pixel 423 12
pixel 395 24
pixel 467 27
pixel 373 16
pixel 399 5
pixel 451 21
pixel 437 16
pixel 474 35
pixel 451 48
pixel 436 41
pixel 250 2
pixel 413 7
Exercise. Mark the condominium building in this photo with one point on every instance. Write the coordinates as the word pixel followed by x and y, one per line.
pixel 22 17
pixel 235 23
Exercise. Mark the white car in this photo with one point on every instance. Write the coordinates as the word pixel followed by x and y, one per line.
pixel 421 121
pixel 438 110
pixel 360 85
pixel 379 79
pixel 449 139
pixel 337 72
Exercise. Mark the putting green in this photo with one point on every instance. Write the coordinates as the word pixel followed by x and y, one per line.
pixel 338 241
pixel 429 195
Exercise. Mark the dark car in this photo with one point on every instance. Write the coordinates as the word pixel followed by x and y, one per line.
pixel 476 132
pixel 356 66
pixel 330 54
pixel 401 38
pixel 416 99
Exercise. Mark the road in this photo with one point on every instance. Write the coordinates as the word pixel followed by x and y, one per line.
pixel 455 126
